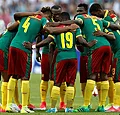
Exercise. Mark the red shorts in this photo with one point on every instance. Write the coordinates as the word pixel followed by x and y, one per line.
pixel 3 61
pixel 45 67
pixel 66 70
pixel 99 61
pixel 83 69
pixel 19 63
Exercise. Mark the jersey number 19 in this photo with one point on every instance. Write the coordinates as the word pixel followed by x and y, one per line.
pixel 67 40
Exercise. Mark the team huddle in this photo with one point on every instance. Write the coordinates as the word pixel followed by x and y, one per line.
pixel 95 34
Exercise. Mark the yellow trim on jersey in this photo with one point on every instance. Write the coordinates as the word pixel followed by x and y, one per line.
pixel 108 24
pixel 51 36
pixel 110 33
pixel 106 13
pixel 79 19
pixel 52 43
pixel 35 17
pixel 79 35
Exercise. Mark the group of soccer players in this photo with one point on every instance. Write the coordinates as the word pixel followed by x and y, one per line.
pixel 96 35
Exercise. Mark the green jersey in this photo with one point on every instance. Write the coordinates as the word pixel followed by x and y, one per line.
pixel 28 28
pixel 115 45
pixel 65 43
pixel 6 39
pixel 90 25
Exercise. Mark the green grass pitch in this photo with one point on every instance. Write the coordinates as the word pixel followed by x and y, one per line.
pixel 35 99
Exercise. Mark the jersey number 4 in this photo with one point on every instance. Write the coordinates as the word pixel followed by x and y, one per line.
pixel 67 40
pixel 26 24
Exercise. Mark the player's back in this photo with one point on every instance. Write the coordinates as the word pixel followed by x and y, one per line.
pixel 28 28
pixel 90 25
pixel 6 39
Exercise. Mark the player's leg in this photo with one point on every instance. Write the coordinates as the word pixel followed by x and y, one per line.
pixel 45 67
pixel 106 59
pixel 59 74
pixel 83 72
pixel 71 76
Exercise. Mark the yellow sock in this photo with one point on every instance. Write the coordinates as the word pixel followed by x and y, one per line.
pixel 29 95
pixel 16 94
pixel 51 86
pixel 54 96
pixel 88 91
pixel 11 90
pixel 4 94
pixel 62 91
pixel 99 90
pixel 111 91
pixel 104 92
pixel 43 90
pixel 74 94
pixel 117 94
pixel 25 91
pixel 69 96
pixel 83 88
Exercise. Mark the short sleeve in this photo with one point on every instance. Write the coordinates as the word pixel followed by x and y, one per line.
pixel 51 36
pixel 108 31
pixel 79 17
pixel 78 32
pixel 106 24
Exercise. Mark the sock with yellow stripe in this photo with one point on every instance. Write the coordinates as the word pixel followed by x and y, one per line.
pixel 43 90
pixel 4 94
pixel 83 88
pixel 25 92
pixel 51 85
pixel 62 91
pixel 29 95
pixel 16 94
pixel 11 90
pixel 99 90
pixel 117 94
pixel 111 91
pixel 88 92
pixel 54 96
pixel 69 96
pixel 74 93
pixel 104 92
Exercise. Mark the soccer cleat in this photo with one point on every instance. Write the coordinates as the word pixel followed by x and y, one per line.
pixel 2 110
pixel 31 106
pixel 11 109
pixel 20 106
pixel 82 109
pixel 100 109
pixel 112 109
pixel 68 110
pixel 62 105
pixel 43 106
pixel 52 110
pixel 26 110
pixel 108 106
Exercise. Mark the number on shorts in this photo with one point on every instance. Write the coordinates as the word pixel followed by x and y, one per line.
pixel 96 24
pixel 113 71
pixel 67 37
pixel 26 24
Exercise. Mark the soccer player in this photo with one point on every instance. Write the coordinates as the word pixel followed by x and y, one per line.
pixel 56 11
pixel 83 9
pixel 114 93
pixel 99 52
pixel 5 41
pixel 19 63
pixel 66 63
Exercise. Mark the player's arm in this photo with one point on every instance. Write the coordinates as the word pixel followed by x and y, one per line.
pixel 108 35
pixel 19 15
pixel 38 55
pixel 112 26
pixel 58 30
pixel 44 42
pixel 13 26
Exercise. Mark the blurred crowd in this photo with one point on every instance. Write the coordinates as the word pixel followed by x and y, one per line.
pixel 9 7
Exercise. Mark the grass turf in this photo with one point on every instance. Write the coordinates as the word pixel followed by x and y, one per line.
pixel 35 99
